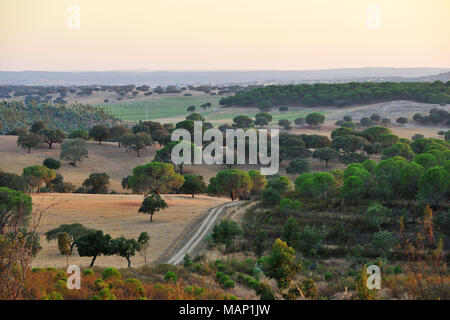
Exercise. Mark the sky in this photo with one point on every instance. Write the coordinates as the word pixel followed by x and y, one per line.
pixel 88 35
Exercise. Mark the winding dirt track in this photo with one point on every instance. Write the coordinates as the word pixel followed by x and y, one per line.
pixel 206 225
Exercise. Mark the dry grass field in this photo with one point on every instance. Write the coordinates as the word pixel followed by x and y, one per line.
pixel 117 215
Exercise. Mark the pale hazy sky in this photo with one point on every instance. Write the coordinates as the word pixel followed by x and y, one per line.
pixel 223 34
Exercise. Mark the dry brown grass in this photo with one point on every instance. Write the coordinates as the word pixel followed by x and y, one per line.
pixel 117 215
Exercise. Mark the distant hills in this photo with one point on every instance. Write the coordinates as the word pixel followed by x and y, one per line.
pixel 164 78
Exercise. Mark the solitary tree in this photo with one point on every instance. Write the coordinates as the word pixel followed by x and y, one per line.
pixel 225 232
pixel 74 150
pixel 153 204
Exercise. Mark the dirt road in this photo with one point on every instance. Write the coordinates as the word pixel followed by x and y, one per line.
pixel 194 238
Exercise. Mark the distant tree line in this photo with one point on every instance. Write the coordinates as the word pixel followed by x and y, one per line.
pixel 341 94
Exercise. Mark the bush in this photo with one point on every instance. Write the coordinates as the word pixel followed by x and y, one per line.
pixel 170 276
pixel 187 261
pixel 52 163
pixel 111 273
pixel 308 287
pixel 88 272
pixel 53 296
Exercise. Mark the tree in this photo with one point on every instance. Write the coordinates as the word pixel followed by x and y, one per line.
pixel 195 117
pixel 280 264
pixel 64 246
pixel 13 181
pixel 325 154
pixel 117 132
pixel 383 242
pixel 311 240
pixel 93 245
pixel 398 150
pixel 372 133
pixel 387 140
pixel 73 231
pixel 97 183
pixel 155 177
pixel 282 184
pixel 15 210
pixel 353 188
pixel 378 215
pixel 191 109
pixel 289 207
pixel 298 166
pixel 242 122
pixel 300 121
pixel 259 181
pixel 434 185
pixel 79 134
pixel 402 120
pixel 74 150
pixel 315 119
pixel 136 141
pixel 290 232
pixel 375 117
pixel 193 184
pixel 348 143
pixel 265 115
pixel 37 127
pixel 52 136
pixel 234 182
pixel 365 122
pixel 285 123
pixel 29 141
pixel 426 160
pixel 52 163
pixel 37 175
pixel 125 248
pixel 144 242
pixel 225 232
pixel 99 133
pixel 152 204
pixel 271 197
pixel 261 121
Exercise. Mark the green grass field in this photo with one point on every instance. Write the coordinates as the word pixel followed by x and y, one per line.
pixel 227 114
pixel 158 108
pixel 169 107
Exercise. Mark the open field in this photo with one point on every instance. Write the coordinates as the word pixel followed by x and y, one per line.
pixel 117 215
pixel 158 107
